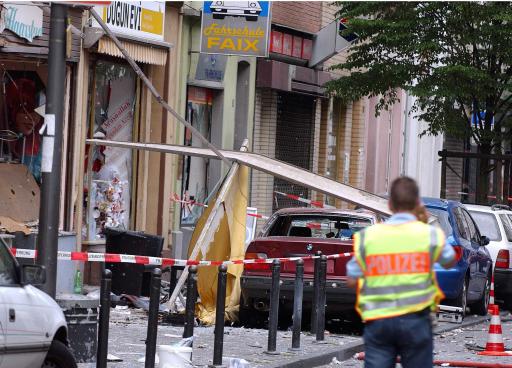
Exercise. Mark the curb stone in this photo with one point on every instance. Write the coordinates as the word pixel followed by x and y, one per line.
pixel 346 352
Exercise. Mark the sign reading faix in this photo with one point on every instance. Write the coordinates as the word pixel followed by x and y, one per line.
pixel 235 28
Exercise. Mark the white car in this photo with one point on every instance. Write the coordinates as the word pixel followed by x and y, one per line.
pixel 33 330
pixel 495 222
pixel 248 9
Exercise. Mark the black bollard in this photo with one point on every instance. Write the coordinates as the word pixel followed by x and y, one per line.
pixel 154 304
pixel 320 324
pixel 218 342
pixel 191 302
pixel 314 304
pixel 274 307
pixel 297 303
pixel 101 353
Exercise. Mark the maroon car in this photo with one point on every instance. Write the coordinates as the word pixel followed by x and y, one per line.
pixel 296 232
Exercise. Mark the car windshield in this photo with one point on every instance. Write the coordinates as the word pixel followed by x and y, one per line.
pixel 443 220
pixel 487 224
pixel 7 267
pixel 319 226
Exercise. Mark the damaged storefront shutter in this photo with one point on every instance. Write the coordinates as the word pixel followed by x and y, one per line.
pixel 294 142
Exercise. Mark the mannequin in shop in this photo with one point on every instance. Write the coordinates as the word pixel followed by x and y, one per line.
pixel 22 99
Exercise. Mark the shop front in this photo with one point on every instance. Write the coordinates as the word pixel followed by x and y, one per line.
pixel 122 189
pixel 24 35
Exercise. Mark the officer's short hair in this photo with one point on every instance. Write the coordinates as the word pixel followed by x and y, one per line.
pixel 404 194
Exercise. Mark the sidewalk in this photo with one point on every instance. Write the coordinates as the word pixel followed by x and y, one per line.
pixel 128 332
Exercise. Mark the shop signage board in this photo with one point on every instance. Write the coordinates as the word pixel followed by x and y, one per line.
pixel 211 67
pixel 24 20
pixel 235 28
pixel 329 41
pixel 141 19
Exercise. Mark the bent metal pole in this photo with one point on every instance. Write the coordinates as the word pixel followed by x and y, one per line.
pixel 153 90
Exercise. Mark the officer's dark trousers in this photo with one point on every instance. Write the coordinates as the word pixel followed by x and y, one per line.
pixel 408 336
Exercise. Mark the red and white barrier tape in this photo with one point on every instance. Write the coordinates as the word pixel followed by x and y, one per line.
pixel 157 261
pixel 177 199
pixel 304 200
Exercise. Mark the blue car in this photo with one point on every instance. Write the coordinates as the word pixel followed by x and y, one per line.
pixel 468 283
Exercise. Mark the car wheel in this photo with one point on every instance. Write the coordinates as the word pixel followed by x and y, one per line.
pixel 462 300
pixel 482 305
pixel 59 356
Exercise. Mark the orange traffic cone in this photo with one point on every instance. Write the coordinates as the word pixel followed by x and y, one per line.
pixel 491 294
pixel 495 346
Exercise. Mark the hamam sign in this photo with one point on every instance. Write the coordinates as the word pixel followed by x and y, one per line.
pixel 235 28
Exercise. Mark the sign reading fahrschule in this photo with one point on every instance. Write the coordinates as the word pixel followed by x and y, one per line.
pixel 235 28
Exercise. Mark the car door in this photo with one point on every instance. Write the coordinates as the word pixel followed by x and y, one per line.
pixel 482 255
pixel 23 320
pixel 2 334
pixel 470 254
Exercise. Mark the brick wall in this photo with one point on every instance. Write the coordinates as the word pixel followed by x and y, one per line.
pixel 323 142
pixel 265 121
pixel 357 145
pixel 305 16
pixel 316 140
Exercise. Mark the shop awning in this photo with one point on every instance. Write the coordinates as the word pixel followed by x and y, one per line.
pixel 143 53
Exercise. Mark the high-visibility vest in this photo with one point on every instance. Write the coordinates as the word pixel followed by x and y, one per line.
pixel 397 262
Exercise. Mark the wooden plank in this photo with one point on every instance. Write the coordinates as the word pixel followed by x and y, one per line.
pixel 19 193
pixel 64 159
pixel 80 117
pixel 273 167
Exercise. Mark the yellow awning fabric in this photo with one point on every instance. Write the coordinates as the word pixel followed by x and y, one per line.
pixel 228 244
pixel 147 54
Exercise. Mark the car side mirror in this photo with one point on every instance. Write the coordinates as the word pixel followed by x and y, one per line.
pixel 33 275
pixel 484 241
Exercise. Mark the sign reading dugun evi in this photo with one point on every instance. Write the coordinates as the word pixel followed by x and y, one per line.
pixel 143 19
pixel 235 28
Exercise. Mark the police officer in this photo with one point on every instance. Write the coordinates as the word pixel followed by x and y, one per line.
pixel 392 268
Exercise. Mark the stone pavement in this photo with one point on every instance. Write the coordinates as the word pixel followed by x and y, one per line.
pixel 128 332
